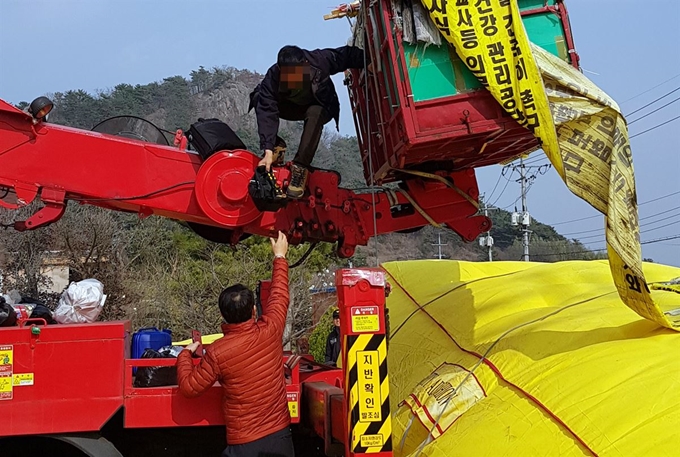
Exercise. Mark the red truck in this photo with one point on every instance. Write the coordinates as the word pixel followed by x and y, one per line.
pixel 68 389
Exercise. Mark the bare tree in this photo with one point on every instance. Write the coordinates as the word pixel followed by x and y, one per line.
pixel 23 254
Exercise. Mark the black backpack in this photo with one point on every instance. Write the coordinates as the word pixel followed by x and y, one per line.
pixel 8 317
pixel 265 191
pixel 208 136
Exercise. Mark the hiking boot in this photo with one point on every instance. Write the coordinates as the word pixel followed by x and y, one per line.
pixel 298 181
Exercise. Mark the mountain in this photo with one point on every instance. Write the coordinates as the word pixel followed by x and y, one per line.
pixel 176 102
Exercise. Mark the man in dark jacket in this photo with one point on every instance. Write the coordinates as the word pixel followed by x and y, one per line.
pixel 333 341
pixel 299 88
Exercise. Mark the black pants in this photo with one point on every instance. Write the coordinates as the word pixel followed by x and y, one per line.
pixel 278 444
pixel 315 118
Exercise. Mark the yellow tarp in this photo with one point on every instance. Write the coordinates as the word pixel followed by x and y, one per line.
pixel 205 339
pixel 580 128
pixel 567 371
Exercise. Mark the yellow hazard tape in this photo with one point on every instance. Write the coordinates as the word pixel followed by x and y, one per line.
pixel 580 128
pixel 370 423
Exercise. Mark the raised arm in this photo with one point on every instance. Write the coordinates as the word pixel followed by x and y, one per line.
pixel 276 308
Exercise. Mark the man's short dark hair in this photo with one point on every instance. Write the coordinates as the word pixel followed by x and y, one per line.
pixel 290 56
pixel 236 304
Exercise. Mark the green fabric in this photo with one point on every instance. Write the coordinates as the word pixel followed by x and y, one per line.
pixel 437 71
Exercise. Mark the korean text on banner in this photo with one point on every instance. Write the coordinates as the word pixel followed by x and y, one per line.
pixel 579 127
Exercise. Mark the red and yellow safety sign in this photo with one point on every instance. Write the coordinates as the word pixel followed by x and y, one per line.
pixel 368 392
pixel 365 319
pixel 293 404
pixel 580 128
pixel 6 372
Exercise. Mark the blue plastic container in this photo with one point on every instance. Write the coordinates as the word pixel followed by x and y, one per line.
pixel 149 338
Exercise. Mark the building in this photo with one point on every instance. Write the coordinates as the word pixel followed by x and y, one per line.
pixel 322 299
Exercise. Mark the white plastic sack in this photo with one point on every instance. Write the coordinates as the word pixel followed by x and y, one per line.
pixel 81 303
pixel 414 21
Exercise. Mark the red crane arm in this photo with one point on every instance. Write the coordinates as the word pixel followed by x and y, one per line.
pixel 53 163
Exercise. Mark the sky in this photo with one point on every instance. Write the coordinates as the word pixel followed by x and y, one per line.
pixel 628 50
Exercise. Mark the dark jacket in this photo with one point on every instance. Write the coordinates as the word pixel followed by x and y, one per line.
pixel 325 63
pixel 333 346
pixel 248 363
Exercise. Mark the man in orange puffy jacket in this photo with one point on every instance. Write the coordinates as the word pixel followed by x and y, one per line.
pixel 248 363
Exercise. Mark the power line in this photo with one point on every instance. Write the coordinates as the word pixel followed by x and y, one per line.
pixel 659 240
pixel 661 226
pixel 659 198
pixel 600 215
pixel 652 112
pixel 542 169
pixel 649 90
pixel 592 251
pixel 604 249
pixel 655 127
pixel 536 159
pixel 641 219
pixel 575 220
pixel 504 188
pixel 500 175
pixel 530 185
pixel 602 235
pixel 652 102
pixel 513 203
pixel 659 214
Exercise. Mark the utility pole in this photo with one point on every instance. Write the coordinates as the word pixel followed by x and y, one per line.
pixel 439 245
pixel 526 219
pixel 487 240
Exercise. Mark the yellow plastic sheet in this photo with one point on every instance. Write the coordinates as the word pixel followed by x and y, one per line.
pixel 579 127
pixel 205 339
pixel 563 368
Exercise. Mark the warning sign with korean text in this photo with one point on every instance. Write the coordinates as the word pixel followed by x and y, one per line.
pixel 370 401
pixel 365 319
pixel 22 379
pixel 293 404
pixel 6 370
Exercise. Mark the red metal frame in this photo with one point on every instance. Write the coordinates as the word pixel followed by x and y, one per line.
pixel 464 131
pixel 56 164
pixel 361 301
pixel 77 377
pixel 560 9
pixel 82 375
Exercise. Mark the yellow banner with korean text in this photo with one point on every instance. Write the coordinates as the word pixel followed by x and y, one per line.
pixel 580 128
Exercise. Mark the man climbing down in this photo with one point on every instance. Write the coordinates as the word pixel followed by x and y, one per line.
pixel 299 88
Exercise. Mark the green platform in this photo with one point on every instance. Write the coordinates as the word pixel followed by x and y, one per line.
pixel 437 71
